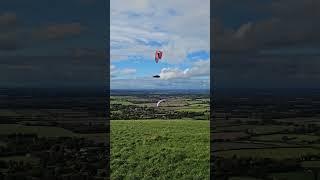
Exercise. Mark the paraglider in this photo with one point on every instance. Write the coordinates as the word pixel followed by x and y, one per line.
pixel 160 102
pixel 158 56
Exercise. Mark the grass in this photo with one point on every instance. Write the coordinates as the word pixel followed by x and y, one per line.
pixel 160 149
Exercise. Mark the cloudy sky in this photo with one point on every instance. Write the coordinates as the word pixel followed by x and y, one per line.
pixel 255 43
pixel 266 43
pixel 53 43
pixel 180 28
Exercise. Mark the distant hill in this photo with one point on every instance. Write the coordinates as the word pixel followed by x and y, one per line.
pixel 158 91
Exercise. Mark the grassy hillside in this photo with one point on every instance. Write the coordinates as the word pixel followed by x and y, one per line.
pixel 160 149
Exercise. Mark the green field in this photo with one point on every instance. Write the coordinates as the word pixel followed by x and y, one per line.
pixel 121 100
pixel 292 137
pixel 48 131
pixel 32 160
pixel 242 178
pixel 257 129
pixel 292 176
pixel 96 137
pixel 193 109
pixel 176 103
pixel 273 153
pixel 45 131
pixel 160 149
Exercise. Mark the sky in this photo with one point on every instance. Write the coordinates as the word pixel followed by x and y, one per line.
pixel 53 43
pixel 255 43
pixel 266 43
pixel 180 28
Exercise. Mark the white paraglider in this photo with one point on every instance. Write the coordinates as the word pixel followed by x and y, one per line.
pixel 158 103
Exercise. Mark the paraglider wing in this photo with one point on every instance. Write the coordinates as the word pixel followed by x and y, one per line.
pixel 160 54
pixel 157 56
pixel 160 102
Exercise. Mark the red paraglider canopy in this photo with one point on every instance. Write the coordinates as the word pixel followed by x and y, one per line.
pixel 158 56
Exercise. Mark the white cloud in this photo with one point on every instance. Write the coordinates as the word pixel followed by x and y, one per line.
pixel 112 67
pixel 128 71
pixel 199 69
pixel 115 72
pixel 186 31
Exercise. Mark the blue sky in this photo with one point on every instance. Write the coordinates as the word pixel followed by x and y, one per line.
pixel 140 27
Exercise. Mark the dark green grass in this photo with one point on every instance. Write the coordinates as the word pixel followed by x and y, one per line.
pixel 48 131
pixel 43 131
pixel 243 178
pixel 292 176
pixel 273 153
pixel 32 160
pixel 279 137
pixel 257 129
pixel 311 164
pixel 160 149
